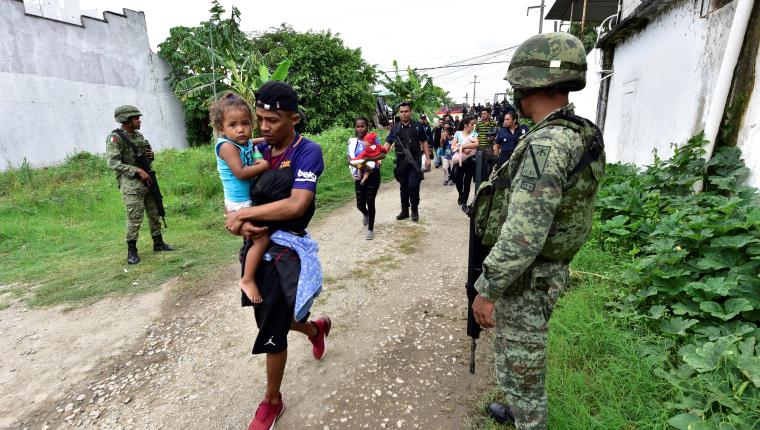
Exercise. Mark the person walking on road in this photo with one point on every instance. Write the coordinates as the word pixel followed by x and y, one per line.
pixel 133 181
pixel 412 138
pixel 365 192
pixel 554 176
pixel 290 277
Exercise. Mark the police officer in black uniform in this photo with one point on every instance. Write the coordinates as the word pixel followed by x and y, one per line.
pixel 414 140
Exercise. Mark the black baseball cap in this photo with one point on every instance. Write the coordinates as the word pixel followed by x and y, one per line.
pixel 276 95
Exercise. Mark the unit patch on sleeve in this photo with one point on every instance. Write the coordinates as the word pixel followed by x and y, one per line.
pixel 535 161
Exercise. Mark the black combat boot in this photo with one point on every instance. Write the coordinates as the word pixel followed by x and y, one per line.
pixel 132 257
pixel 160 245
pixel 403 215
pixel 500 413
pixel 415 215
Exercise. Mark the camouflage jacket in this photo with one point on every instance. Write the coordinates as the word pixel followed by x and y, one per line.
pixel 121 159
pixel 549 214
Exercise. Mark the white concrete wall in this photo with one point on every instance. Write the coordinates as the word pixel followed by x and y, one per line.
pixel 585 101
pixel 60 83
pixel 628 7
pixel 663 80
pixel 749 132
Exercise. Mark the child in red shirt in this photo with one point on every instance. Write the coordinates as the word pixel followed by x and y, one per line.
pixel 371 150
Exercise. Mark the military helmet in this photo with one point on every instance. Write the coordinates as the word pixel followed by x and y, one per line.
pixel 123 113
pixel 548 60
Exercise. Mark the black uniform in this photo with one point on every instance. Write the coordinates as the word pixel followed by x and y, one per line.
pixel 412 136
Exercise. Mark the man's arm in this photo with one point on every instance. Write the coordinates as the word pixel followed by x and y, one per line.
pixel 532 206
pixel 285 209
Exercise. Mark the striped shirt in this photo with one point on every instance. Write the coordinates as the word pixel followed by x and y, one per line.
pixel 483 128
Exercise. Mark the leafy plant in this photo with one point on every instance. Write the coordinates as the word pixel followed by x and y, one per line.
pixel 417 89
pixel 334 83
pixel 696 277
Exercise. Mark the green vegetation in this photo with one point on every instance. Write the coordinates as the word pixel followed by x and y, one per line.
pixel 62 235
pixel 418 89
pixel 334 83
pixel 695 279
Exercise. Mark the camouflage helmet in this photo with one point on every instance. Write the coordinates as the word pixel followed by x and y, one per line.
pixel 123 113
pixel 548 60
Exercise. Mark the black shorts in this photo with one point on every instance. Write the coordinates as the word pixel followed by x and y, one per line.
pixel 277 280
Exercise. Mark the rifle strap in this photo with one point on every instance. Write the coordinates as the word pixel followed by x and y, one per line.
pixel 124 137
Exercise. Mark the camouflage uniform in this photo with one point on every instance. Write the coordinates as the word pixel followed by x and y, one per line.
pixel 134 192
pixel 549 218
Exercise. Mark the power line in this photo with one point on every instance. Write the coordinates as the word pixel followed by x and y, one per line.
pixel 454 65
pixel 457 63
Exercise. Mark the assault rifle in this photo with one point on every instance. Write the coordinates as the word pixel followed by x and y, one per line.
pixel 144 163
pixel 476 254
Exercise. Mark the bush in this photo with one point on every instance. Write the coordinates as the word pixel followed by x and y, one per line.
pixel 695 279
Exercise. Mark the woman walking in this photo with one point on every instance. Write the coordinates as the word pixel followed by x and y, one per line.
pixel 464 146
pixel 366 190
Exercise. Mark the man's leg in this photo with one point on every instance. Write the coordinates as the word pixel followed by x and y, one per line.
pixel 520 347
pixel 135 207
pixel 404 191
pixel 154 220
pixel 414 192
pixel 275 372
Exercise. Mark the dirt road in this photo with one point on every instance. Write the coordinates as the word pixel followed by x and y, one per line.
pixel 180 357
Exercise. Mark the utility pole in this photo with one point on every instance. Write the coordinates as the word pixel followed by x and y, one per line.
pixel 583 18
pixel 541 21
pixel 474 82
pixel 466 100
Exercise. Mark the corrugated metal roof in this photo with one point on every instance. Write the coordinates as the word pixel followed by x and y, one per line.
pixel 596 10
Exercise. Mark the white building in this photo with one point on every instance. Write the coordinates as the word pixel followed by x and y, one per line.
pixel 661 60
pixel 60 82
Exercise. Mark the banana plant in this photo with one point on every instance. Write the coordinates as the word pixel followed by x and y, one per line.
pixel 243 79
pixel 417 89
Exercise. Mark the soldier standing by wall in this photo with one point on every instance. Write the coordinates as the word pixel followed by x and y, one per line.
pixel 554 173
pixel 133 181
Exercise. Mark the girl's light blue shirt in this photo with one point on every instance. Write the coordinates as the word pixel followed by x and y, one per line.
pixel 235 190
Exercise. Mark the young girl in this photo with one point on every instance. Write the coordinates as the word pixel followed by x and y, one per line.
pixel 446 137
pixel 233 121
pixel 371 150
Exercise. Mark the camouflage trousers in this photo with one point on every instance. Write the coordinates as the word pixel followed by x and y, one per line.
pixel 137 204
pixel 522 319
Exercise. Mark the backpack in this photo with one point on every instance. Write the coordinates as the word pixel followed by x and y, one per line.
pixel 492 197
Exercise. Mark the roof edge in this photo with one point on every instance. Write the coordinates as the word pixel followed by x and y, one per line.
pixel 638 19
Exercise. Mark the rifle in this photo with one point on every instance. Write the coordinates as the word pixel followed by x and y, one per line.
pixel 477 252
pixel 408 157
pixel 145 163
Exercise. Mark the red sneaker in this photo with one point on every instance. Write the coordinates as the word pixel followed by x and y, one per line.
pixel 266 415
pixel 319 340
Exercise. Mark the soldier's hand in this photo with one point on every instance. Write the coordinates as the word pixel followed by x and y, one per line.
pixel 482 310
pixel 144 176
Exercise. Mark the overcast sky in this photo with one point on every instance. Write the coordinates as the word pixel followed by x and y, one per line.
pixel 418 33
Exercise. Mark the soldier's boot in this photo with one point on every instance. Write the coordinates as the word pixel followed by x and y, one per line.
pixel 160 245
pixel 404 214
pixel 500 413
pixel 132 257
pixel 415 214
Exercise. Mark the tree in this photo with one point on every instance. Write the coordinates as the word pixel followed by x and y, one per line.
pixel 333 82
pixel 589 34
pixel 186 50
pixel 417 89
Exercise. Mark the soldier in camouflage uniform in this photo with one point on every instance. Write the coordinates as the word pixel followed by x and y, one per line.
pixel 549 210
pixel 133 181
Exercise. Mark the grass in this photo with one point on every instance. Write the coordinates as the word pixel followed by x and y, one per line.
pixel 596 377
pixel 62 235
